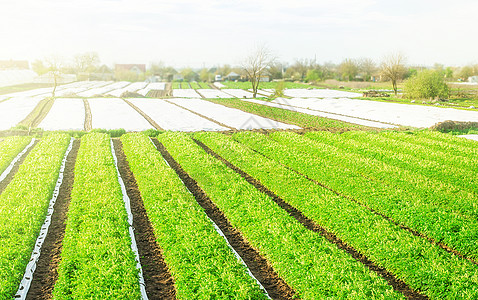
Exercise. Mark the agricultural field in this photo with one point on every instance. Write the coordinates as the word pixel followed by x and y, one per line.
pixel 239 215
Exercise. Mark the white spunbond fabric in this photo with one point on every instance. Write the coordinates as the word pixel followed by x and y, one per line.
pixel 238 93
pixel 14 110
pixel 321 114
pixel 134 247
pixel 394 113
pixel 319 93
pixel 473 137
pixel 230 116
pixel 172 117
pixel 211 93
pixel 104 89
pixel 219 231
pixel 65 114
pixel 115 113
pixel 32 264
pixel 185 93
pixel 14 161
pixel 133 87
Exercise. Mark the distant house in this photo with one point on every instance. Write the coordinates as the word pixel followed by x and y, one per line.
pixel 137 68
pixel 233 76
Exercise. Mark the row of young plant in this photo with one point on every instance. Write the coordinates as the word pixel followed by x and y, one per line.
pixel 23 208
pixel 96 261
pixel 311 265
pixel 386 189
pixel 403 171
pixel 447 138
pixel 9 149
pixel 286 116
pixel 459 172
pixel 198 258
pixel 410 258
pixel 264 85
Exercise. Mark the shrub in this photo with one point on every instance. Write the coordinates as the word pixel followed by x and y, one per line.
pixel 426 84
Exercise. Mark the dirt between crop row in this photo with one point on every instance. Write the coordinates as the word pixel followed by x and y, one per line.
pixel 46 273
pixel 158 279
pixel 4 183
pixel 257 264
pixel 144 115
pixel 88 117
pixel 397 284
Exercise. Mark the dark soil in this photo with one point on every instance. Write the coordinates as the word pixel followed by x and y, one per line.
pixel 158 279
pixel 6 181
pixel 144 115
pixel 88 118
pixel 46 273
pixel 258 265
pixel 397 284
pixel 202 116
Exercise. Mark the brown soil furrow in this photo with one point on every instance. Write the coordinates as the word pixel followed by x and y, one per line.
pixel 258 265
pixel 46 273
pixel 43 112
pixel 4 183
pixel 202 116
pixel 144 115
pixel 389 219
pixel 202 96
pixel 158 279
pixel 392 280
pixel 88 117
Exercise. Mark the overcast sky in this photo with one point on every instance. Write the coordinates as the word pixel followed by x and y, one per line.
pixel 208 32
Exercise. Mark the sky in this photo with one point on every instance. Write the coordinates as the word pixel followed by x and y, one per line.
pixel 207 33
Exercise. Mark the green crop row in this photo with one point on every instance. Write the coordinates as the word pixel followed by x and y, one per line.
pixel 386 189
pixel 185 85
pixel 194 85
pixel 204 85
pixel 404 171
pixel 175 85
pixel 286 116
pixel 425 267
pixel 264 85
pixel 311 265
pixel 9 149
pixel 198 258
pixel 447 138
pixel 96 261
pixel 23 208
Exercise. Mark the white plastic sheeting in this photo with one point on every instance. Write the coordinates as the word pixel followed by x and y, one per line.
pixel 219 85
pixel 152 86
pixel 210 93
pixel 185 93
pixel 394 113
pixel 13 77
pixel 104 89
pixel 238 93
pixel 324 115
pixel 65 114
pixel 114 113
pixel 127 206
pixel 135 86
pixel 14 110
pixel 473 137
pixel 319 93
pixel 14 161
pixel 230 116
pixel 172 117
pixel 32 264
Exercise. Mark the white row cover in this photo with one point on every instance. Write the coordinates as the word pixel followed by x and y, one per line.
pixel 14 110
pixel 13 77
pixel 395 113
pixel 185 93
pixel 230 116
pixel 319 93
pixel 103 90
pixel 352 120
pixel 211 93
pixel 115 113
pixel 171 117
pixel 135 86
pixel 238 93
pixel 65 114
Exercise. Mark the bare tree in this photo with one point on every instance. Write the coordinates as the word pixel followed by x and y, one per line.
pixel 53 66
pixel 393 69
pixel 256 66
pixel 367 67
pixel 87 62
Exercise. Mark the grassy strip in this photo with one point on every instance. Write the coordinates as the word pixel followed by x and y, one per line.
pixel 23 208
pixel 287 116
pixel 97 261
pixel 424 267
pixel 199 259
pixel 430 179
pixel 306 261
pixel 9 149
pixel 396 193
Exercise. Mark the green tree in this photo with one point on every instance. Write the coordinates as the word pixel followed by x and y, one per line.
pixel 393 68
pixel 427 84
pixel 348 69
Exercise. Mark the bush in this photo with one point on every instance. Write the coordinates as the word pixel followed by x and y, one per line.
pixel 426 84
